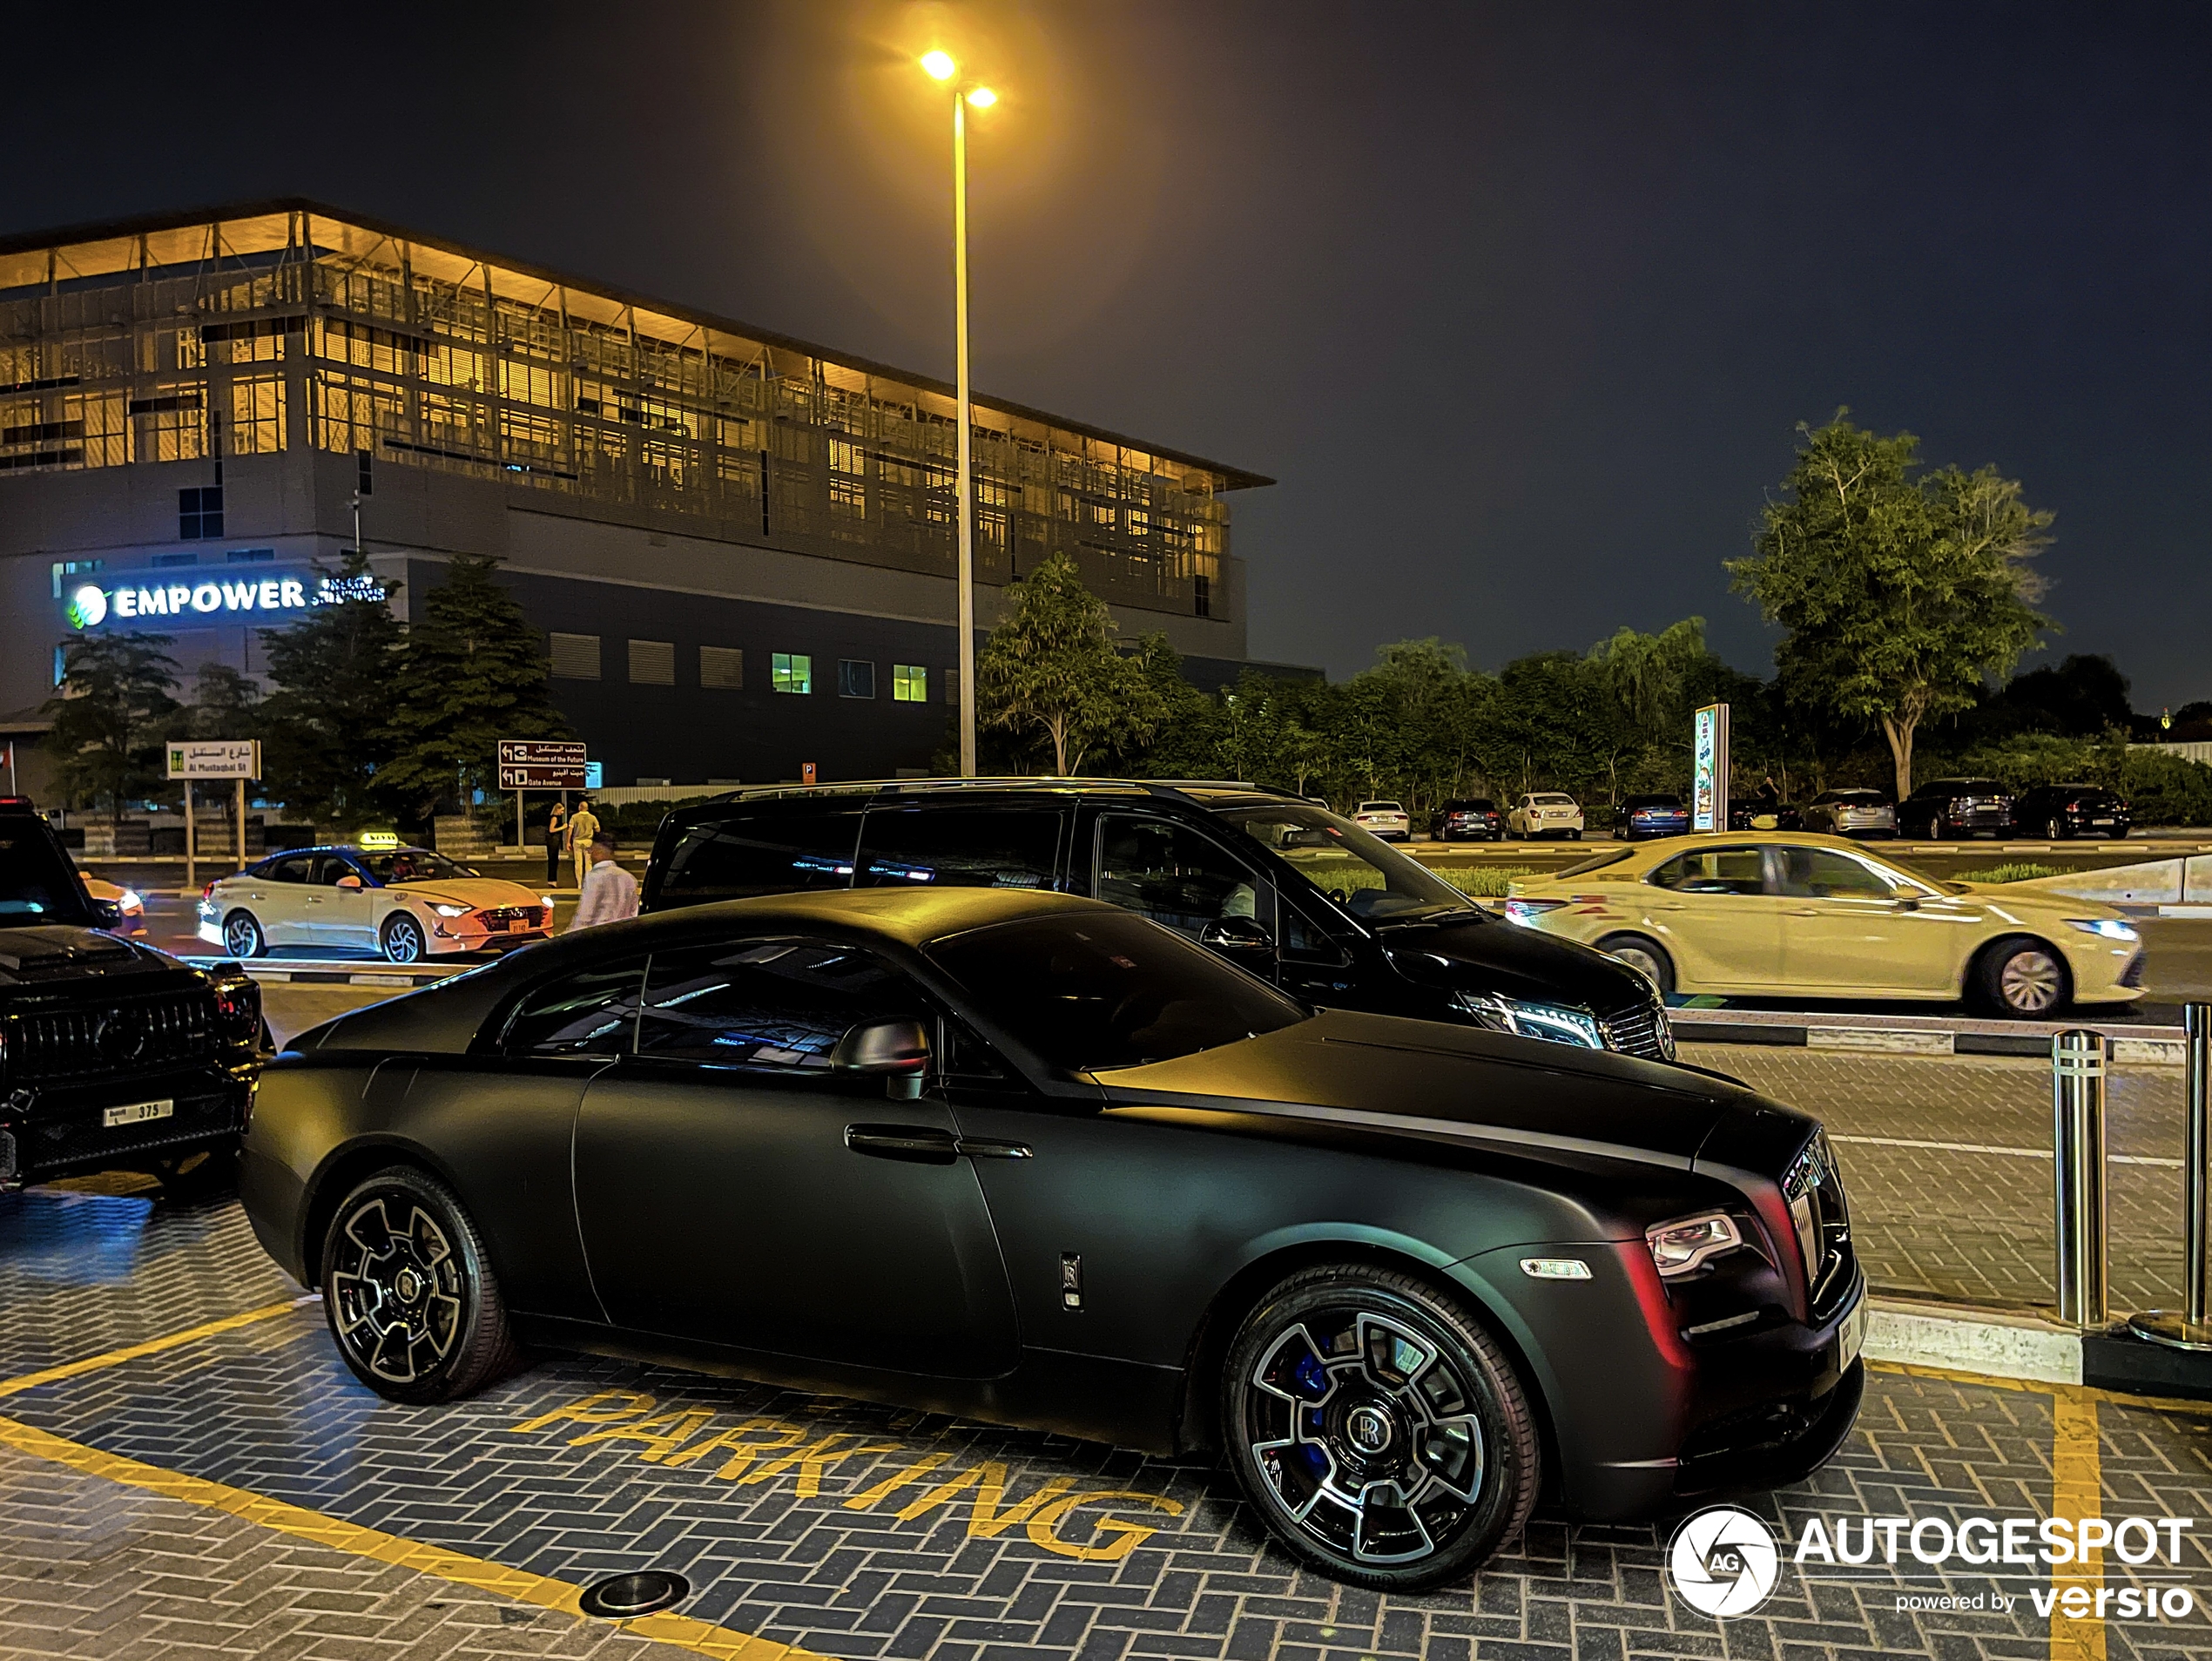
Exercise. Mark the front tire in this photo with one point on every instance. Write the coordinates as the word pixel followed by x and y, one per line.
pixel 1646 956
pixel 402 938
pixel 242 936
pixel 409 1293
pixel 1380 1434
pixel 2022 978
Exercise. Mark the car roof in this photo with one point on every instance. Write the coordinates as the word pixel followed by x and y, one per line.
pixel 351 850
pixel 910 916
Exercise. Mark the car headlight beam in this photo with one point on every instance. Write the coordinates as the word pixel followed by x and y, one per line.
pixel 2105 927
pixel 1686 1245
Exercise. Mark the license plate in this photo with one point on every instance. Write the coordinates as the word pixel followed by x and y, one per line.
pixel 1850 1337
pixel 137 1113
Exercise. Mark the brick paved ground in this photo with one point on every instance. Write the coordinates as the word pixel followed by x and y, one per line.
pixel 1977 1226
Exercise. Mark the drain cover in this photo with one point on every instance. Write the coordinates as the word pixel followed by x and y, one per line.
pixel 619 1596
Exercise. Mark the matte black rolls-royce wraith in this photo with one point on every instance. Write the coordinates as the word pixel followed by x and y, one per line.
pixel 1033 1159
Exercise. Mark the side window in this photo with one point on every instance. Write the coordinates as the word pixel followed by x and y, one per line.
pixel 1713 870
pixel 772 1006
pixel 767 853
pixel 966 1059
pixel 1173 875
pixel 1815 872
pixel 294 869
pixel 591 1012
pixel 330 870
pixel 964 847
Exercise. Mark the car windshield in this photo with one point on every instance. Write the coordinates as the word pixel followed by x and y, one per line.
pixel 1380 808
pixel 1553 801
pixel 1360 872
pixel 1106 990
pixel 36 884
pixel 412 865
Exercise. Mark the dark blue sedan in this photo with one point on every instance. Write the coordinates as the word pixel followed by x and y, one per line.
pixel 1642 817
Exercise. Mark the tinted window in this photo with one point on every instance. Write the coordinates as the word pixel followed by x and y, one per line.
pixel 414 865
pixel 1815 872
pixel 330 870
pixel 35 878
pixel 591 1012
pixel 770 853
pixel 298 868
pixel 1103 991
pixel 778 1005
pixel 1360 872
pixel 1714 870
pixel 967 847
pixel 1174 876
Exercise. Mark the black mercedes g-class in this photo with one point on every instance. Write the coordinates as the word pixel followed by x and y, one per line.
pixel 1294 893
pixel 111 1054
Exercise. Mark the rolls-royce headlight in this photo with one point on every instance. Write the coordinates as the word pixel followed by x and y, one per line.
pixel 1553 1022
pixel 1688 1243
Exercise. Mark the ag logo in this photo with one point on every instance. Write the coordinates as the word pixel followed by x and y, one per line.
pixel 87 608
pixel 1722 1561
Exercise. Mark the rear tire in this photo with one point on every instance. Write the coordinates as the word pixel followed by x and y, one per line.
pixel 1380 1434
pixel 409 1295
pixel 1645 955
pixel 2021 979
pixel 242 936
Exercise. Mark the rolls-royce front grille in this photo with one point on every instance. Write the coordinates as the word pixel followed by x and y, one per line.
pixel 103 1040
pixel 1822 1217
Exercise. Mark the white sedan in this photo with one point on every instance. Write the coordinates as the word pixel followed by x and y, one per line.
pixel 407 903
pixel 1545 813
pixel 1388 820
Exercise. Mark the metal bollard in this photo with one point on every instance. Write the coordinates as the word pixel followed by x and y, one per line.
pixel 2078 1112
pixel 2189 1328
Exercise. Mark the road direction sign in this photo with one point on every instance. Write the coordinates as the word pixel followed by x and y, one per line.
pixel 540 764
pixel 215 759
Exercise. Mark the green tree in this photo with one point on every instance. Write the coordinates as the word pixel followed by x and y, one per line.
pixel 324 728
pixel 224 704
pixel 111 715
pixel 1902 593
pixel 472 670
pixel 1050 670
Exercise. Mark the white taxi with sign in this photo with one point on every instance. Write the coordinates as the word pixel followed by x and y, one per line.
pixel 407 902
pixel 1762 914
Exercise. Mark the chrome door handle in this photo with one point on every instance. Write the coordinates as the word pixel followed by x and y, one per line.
pixel 912 1143
pixel 976 1150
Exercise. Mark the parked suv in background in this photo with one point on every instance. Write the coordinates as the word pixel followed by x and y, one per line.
pixel 1852 813
pixel 1469 818
pixel 2060 811
pixel 1647 816
pixel 1947 808
pixel 1545 813
pixel 1388 820
pixel 1288 891
pixel 111 1054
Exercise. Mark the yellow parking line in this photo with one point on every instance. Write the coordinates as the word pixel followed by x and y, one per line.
pixel 2077 1490
pixel 151 1346
pixel 376 1545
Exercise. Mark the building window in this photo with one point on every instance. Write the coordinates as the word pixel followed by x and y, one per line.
pixel 61 665
pixel 909 684
pixel 199 513
pixel 65 569
pixel 249 555
pixel 575 656
pixel 952 687
pixel 652 662
pixel 792 671
pixel 364 472
pixel 176 559
pixel 721 668
pixel 1202 594
pixel 855 678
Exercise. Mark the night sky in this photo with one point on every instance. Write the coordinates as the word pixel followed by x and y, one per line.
pixel 1521 304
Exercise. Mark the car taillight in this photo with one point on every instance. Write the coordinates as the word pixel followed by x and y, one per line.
pixel 238 1007
pixel 208 893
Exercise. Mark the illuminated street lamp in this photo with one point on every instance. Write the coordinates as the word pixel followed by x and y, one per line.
pixel 940 66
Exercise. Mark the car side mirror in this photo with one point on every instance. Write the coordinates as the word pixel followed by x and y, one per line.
pixel 898 1050
pixel 107 913
pixel 348 882
pixel 1236 934
pixel 1906 903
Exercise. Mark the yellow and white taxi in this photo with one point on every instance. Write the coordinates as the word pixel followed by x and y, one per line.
pixel 407 902
pixel 1767 914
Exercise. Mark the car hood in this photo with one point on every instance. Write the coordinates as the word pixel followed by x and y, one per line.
pixel 1458 952
pixel 1388 1073
pixel 63 951
pixel 477 893
pixel 2040 897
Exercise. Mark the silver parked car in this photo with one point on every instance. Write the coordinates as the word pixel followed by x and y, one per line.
pixel 1852 813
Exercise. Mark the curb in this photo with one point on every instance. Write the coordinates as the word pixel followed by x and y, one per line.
pixel 1905 1035
pixel 315 973
pixel 2007 1344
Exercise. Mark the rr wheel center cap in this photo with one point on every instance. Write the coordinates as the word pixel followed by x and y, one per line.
pixel 1369 1429
pixel 409 1284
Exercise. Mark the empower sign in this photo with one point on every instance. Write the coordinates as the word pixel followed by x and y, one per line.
pixel 91 604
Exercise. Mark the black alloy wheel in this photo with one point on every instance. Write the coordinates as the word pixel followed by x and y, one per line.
pixel 408 1294
pixel 2022 978
pixel 402 938
pixel 2053 831
pixel 1380 1434
pixel 1935 827
pixel 242 936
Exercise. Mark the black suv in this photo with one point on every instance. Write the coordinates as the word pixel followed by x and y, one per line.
pixel 1948 807
pixel 2060 811
pixel 111 1054
pixel 1292 892
pixel 1471 818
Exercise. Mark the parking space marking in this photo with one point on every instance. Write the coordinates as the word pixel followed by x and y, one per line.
pixel 151 1346
pixel 2077 1490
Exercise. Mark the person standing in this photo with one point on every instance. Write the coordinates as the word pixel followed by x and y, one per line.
pixel 556 842
pixel 583 826
pixel 609 893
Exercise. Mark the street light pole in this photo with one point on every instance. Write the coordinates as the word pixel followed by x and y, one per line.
pixel 967 490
